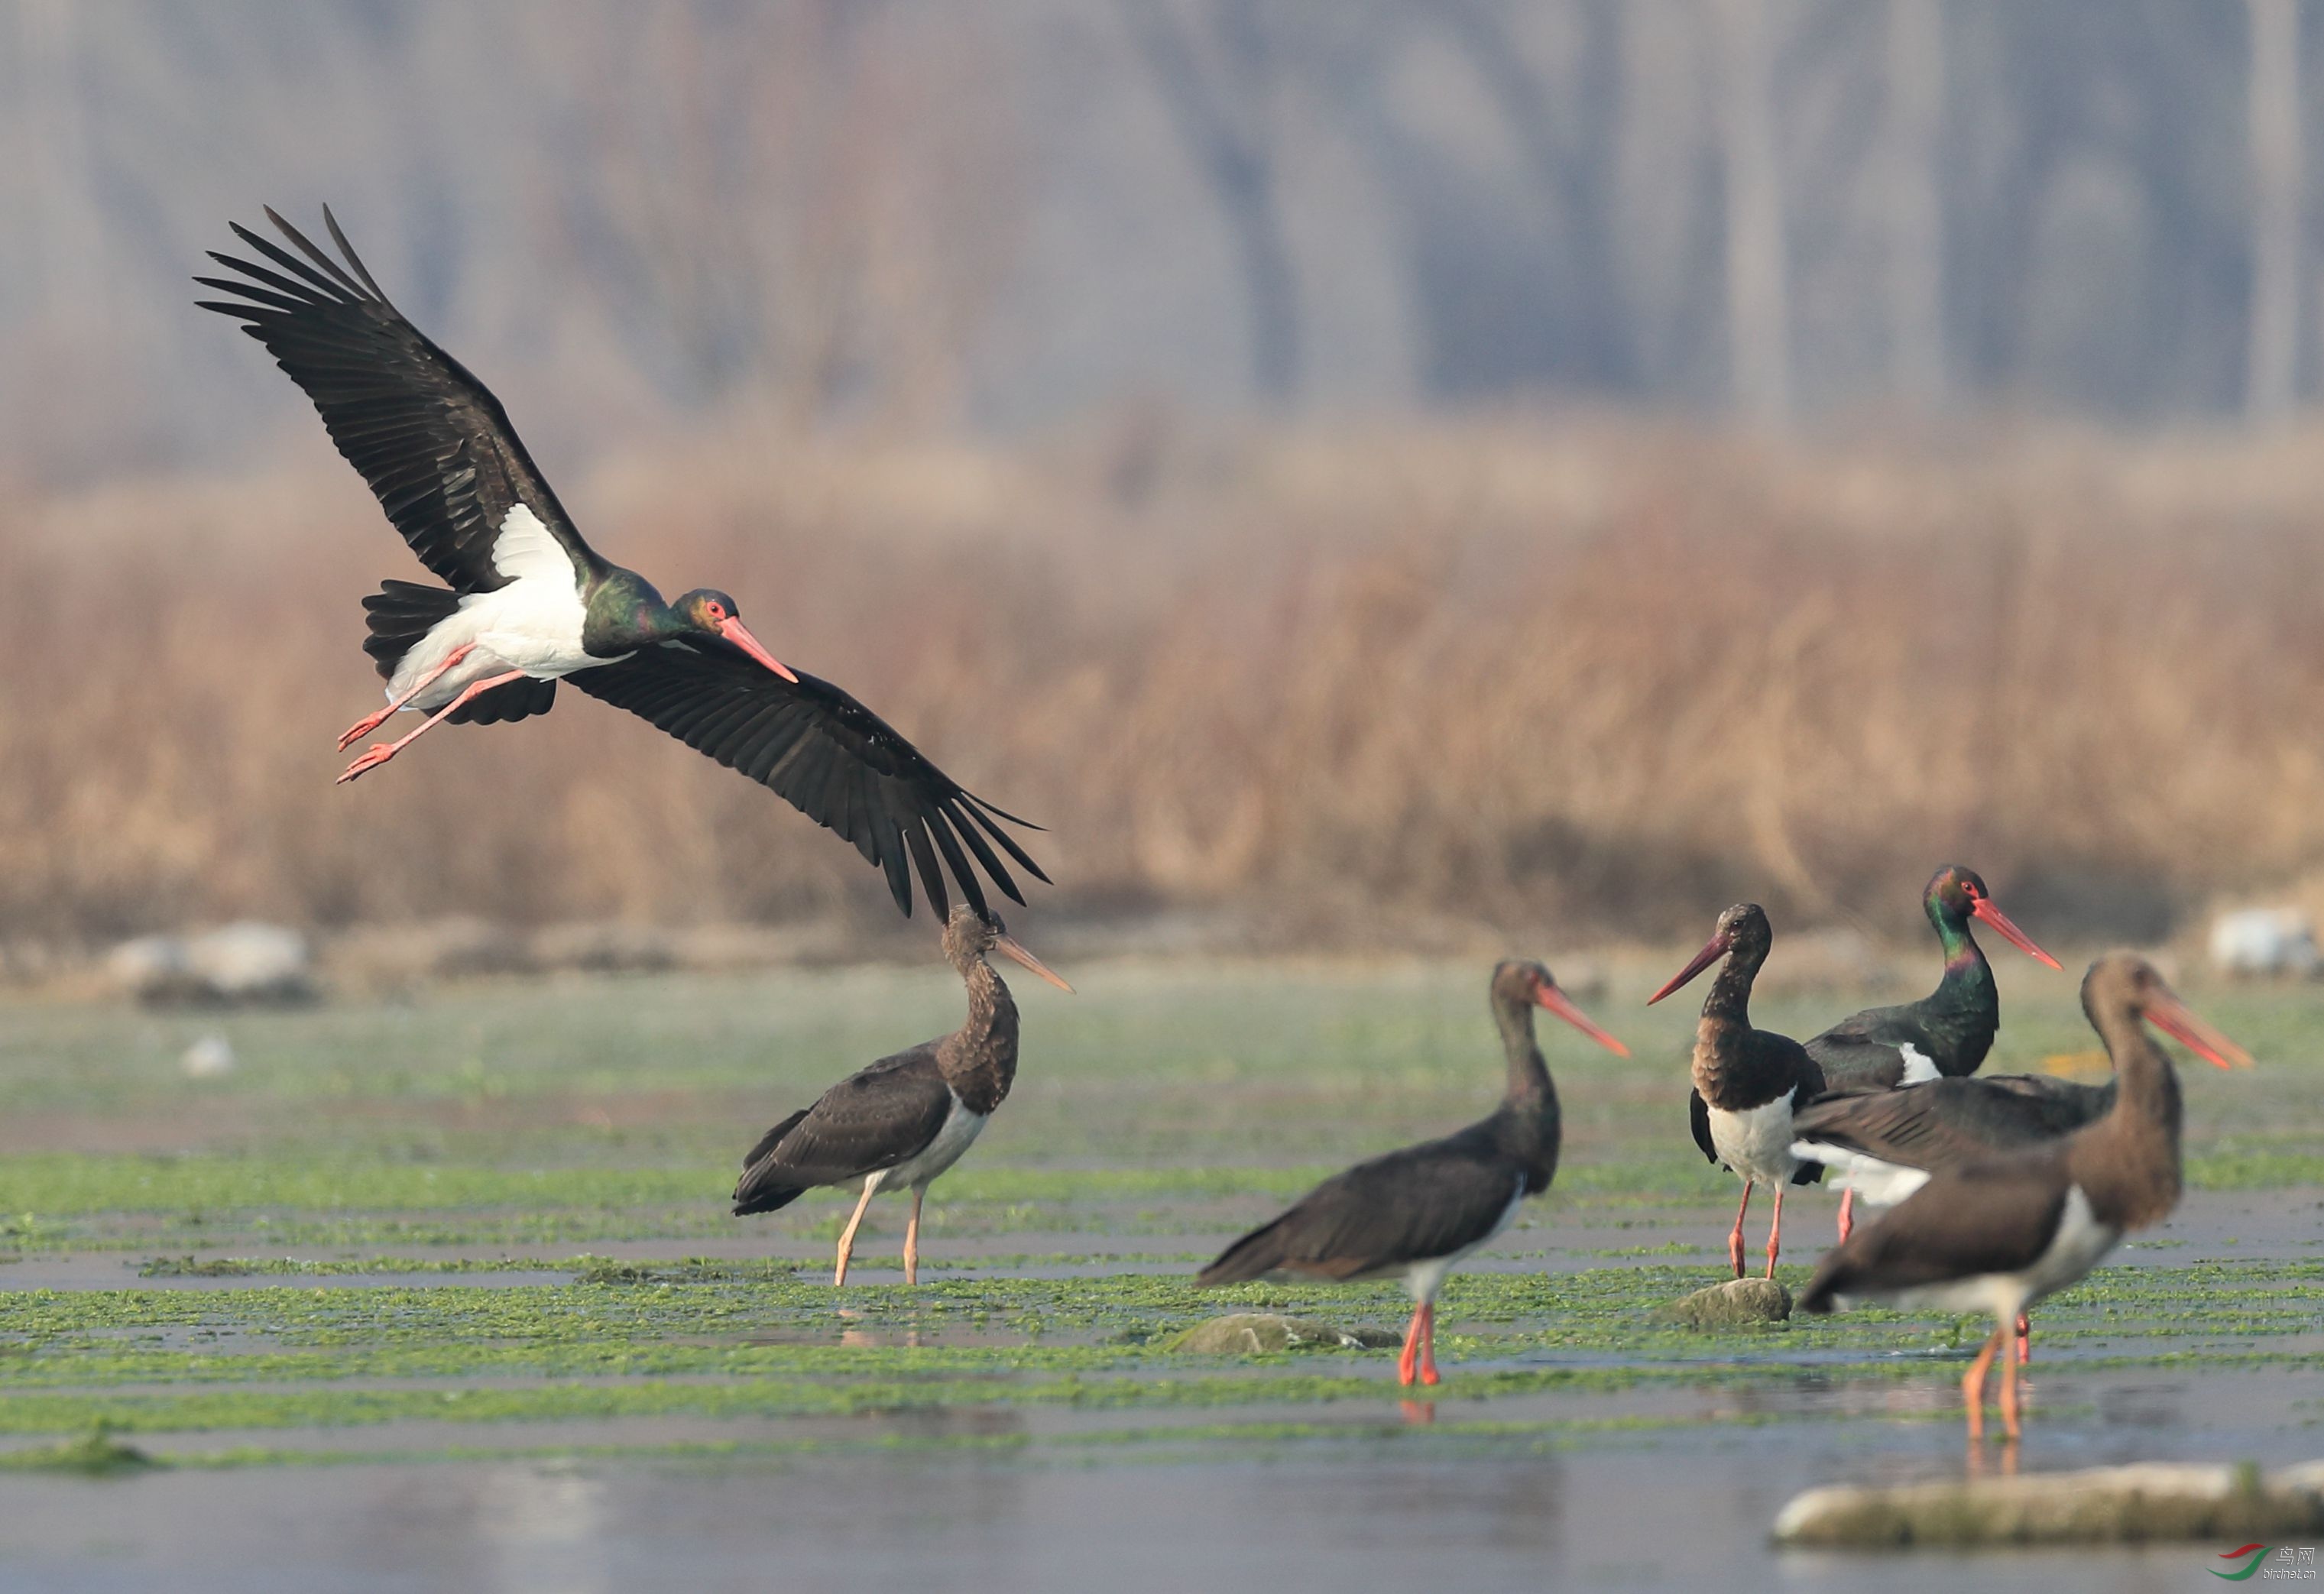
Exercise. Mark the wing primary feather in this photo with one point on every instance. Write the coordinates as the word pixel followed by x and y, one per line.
pixel 282 257
pixel 307 248
pixel 355 259
pixel 931 877
pixel 969 888
pixel 976 807
pixel 985 855
pixel 891 857
pixel 301 293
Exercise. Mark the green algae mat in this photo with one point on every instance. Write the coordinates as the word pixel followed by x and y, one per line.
pixel 489 1220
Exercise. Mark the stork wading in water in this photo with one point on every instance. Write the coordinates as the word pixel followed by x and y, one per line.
pixel 1947 1032
pixel 1747 1082
pixel 527 602
pixel 902 1121
pixel 1413 1213
pixel 1997 1234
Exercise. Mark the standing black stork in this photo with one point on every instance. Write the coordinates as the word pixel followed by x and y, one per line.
pixel 1947 1032
pixel 1999 1233
pixel 1746 1080
pixel 1413 1213
pixel 528 602
pixel 1886 1144
pixel 903 1120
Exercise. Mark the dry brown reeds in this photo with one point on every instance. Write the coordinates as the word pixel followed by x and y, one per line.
pixel 1582 675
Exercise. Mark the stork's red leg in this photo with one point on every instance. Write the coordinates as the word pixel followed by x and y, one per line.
pixel 1776 1232
pixel 1973 1384
pixel 847 1235
pixel 1428 1342
pixel 2008 1388
pixel 1735 1236
pixel 2024 1339
pixel 373 722
pixel 1408 1362
pixel 1846 1207
pixel 912 1239
pixel 381 751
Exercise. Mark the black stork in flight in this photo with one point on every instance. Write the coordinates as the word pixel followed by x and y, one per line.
pixel 526 602
pixel 1998 1234
pixel 1947 1032
pixel 905 1120
pixel 1413 1213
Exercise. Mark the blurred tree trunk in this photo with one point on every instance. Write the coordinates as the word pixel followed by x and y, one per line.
pixel 2271 358
pixel 1915 202
pixel 1221 112
pixel 1573 164
pixel 1758 310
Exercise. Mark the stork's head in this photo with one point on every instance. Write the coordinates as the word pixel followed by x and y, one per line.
pixel 710 612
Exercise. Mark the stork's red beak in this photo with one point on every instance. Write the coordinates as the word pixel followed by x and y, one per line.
pixel 2174 1018
pixel 1712 951
pixel 1983 908
pixel 736 633
pixel 1558 1003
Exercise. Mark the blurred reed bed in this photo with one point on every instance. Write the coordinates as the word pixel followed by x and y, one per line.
pixel 1579 678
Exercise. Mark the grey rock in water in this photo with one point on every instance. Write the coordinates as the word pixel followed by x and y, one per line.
pixel 1733 1305
pixel 2148 1502
pixel 1254 1334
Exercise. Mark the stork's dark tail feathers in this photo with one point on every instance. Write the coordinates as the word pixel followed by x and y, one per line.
pixel 400 613
pixel 763 1187
pixel 1256 1255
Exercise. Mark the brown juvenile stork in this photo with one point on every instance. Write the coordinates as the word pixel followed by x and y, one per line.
pixel 903 1120
pixel 1413 1213
pixel 1746 1080
pixel 1888 1143
pixel 526 602
pixel 1999 1233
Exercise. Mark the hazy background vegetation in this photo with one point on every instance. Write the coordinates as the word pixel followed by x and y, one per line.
pixel 1351 467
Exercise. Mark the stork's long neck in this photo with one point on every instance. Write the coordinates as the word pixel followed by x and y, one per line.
pixel 2128 1163
pixel 1530 1103
pixel 1965 1008
pixel 1722 1035
pixel 623 612
pixel 979 1059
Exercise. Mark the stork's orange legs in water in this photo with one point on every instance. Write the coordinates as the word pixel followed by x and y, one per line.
pixel 1735 1235
pixel 1419 1355
pixel 1846 1211
pixel 847 1235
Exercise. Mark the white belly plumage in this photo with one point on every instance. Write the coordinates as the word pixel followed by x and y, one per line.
pixel 960 1130
pixel 1757 1143
pixel 533 624
pixel 2080 1244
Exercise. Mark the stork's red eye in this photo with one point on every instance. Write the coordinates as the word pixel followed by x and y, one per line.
pixel 717 611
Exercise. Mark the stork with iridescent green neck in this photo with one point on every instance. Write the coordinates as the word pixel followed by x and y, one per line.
pixel 1947 1032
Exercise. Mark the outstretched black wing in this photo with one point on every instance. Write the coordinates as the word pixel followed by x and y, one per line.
pixel 829 757
pixel 431 440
